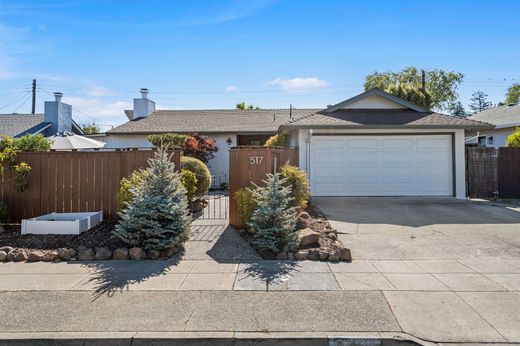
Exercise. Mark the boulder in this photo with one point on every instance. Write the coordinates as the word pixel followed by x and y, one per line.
pixel 51 255
pixel 66 254
pixel 267 255
pixel 324 253
pixel 120 253
pixel 136 253
pixel 153 254
pixel 313 254
pixel 19 255
pixel 3 256
pixel 304 215
pixel 282 256
pixel 301 254
pixel 332 236
pixel 334 254
pixel 345 254
pixel 6 249
pixel 307 237
pixel 85 254
pixel 35 255
pixel 103 253
pixel 303 223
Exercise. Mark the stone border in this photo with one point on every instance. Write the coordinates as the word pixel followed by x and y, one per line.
pixel 82 253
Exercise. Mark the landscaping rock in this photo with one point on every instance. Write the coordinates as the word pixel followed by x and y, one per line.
pixel 308 237
pixel 153 254
pixel 103 253
pixel 334 254
pixel 345 254
pixel 324 253
pixel 282 256
pixel 19 255
pixel 35 255
pixel 332 236
pixel 268 255
pixel 313 254
pixel 136 253
pixel 304 215
pixel 303 223
pixel 3 256
pixel 66 254
pixel 121 254
pixel 85 254
pixel 301 255
pixel 6 249
pixel 50 256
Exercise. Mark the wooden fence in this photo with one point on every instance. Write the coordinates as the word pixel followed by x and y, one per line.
pixel 492 173
pixel 251 164
pixel 72 181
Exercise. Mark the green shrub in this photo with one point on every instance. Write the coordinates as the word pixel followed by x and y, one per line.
pixel 171 140
pixel 127 185
pixel 279 140
pixel 246 204
pixel 299 183
pixel 189 181
pixel 514 139
pixel 32 143
pixel 201 172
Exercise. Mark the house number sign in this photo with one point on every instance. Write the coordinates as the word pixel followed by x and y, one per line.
pixel 255 160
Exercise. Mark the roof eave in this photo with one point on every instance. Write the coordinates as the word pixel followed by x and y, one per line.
pixel 351 127
pixel 186 132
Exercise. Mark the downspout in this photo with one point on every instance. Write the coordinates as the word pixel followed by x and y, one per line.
pixel 308 151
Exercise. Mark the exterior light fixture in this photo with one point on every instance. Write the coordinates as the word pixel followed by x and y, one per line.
pixel 229 141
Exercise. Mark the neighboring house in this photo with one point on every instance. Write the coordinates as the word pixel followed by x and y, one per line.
pixel 229 127
pixel 57 118
pixel 505 118
pixel 376 144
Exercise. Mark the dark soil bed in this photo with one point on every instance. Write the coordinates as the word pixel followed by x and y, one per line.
pixel 99 236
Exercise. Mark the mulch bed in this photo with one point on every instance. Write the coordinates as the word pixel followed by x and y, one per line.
pixel 99 236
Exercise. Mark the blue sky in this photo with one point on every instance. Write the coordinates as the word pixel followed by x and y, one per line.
pixel 272 53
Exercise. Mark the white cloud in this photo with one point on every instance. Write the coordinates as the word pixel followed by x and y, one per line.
pixel 100 91
pixel 88 110
pixel 299 83
pixel 231 88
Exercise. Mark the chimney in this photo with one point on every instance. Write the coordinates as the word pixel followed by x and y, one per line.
pixel 59 114
pixel 143 106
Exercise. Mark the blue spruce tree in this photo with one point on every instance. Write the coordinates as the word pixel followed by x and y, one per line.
pixel 157 218
pixel 273 222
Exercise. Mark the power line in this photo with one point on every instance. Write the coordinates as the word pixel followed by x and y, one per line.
pixel 23 103
pixel 16 99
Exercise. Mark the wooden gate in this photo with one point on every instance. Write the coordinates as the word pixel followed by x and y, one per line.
pixel 251 164
pixel 509 172
pixel 481 172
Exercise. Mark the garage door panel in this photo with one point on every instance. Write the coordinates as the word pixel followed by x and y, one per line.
pixel 373 165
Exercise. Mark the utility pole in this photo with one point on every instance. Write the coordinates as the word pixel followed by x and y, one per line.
pixel 34 96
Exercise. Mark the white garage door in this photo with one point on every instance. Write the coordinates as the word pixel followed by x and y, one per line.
pixel 381 165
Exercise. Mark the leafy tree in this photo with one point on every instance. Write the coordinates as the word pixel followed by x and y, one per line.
pixel 513 94
pixel 440 85
pixel 278 140
pixel 479 102
pixel 273 222
pixel 457 109
pixel 412 94
pixel 157 218
pixel 514 139
pixel 36 142
pixel 90 129
pixel 200 147
pixel 243 106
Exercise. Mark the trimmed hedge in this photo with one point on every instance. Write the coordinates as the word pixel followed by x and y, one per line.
pixel 201 172
pixel 299 184
pixel 246 204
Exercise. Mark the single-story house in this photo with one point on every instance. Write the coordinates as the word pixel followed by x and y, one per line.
pixel 505 118
pixel 374 144
pixel 57 118
pixel 229 128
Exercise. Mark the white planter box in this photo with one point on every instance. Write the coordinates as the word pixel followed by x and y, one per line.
pixel 61 223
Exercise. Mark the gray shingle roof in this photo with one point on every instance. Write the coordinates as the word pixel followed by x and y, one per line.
pixel 211 121
pixel 14 124
pixel 502 116
pixel 406 118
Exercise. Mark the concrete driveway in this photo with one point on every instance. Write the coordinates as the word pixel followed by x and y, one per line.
pixel 387 228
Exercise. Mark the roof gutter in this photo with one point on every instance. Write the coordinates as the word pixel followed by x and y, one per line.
pixel 361 127
pixel 504 126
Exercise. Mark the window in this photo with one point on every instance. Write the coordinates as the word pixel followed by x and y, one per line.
pixel 482 141
pixel 254 142
pixel 490 140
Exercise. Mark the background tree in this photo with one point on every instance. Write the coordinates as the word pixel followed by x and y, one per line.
pixel 243 106
pixel 513 94
pixel 90 129
pixel 200 147
pixel 440 85
pixel 457 109
pixel 479 102
pixel 514 139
